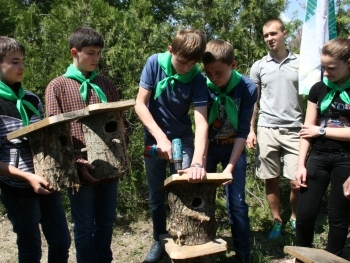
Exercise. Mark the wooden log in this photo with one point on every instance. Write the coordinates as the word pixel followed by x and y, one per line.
pixel 106 145
pixel 192 213
pixel 205 253
pixel 53 156
pixel 313 255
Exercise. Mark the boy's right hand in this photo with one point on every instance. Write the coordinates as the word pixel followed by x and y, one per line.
pixel 251 140
pixel 164 150
pixel 84 168
pixel 40 185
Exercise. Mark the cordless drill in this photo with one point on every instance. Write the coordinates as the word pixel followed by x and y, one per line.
pixel 176 152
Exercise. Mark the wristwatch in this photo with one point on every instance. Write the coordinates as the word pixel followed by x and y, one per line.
pixel 322 131
pixel 197 165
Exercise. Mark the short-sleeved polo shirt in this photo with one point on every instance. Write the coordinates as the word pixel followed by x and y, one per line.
pixel 280 103
pixel 170 109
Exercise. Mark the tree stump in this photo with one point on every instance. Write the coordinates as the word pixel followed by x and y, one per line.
pixel 105 144
pixel 192 213
pixel 192 225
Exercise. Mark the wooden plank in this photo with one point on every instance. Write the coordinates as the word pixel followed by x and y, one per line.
pixel 183 252
pixel 216 178
pixel 53 120
pixel 313 255
pixel 111 106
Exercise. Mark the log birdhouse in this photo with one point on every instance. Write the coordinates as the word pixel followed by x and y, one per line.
pixel 192 221
pixel 53 152
pixel 105 139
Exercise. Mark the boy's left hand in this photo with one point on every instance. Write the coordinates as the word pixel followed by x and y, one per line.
pixel 85 166
pixel 195 174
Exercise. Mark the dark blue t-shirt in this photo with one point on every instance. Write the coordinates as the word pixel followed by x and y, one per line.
pixel 170 109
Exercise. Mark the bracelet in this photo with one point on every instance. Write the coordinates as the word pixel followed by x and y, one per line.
pixel 197 165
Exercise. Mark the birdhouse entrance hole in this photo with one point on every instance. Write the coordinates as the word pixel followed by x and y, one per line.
pixel 110 127
pixel 197 203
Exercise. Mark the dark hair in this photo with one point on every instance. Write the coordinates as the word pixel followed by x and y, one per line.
pixel 8 45
pixel 273 20
pixel 219 50
pixel 189 43
pixel 338 48
pixel 84 37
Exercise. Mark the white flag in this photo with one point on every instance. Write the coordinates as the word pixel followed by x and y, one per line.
pixel 319 27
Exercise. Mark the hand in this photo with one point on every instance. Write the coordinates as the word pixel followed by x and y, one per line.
pixel 346 188
pixel 309 131
pixel 195 174
pixel 40 185
pixel 301 176
pixel 164 150
pixel 251 140
pixel 84 168
pixel 227 170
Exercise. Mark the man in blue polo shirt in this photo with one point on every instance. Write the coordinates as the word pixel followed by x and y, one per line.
pixel 280 119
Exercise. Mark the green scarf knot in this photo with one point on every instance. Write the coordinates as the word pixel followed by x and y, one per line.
pixel 230 105
pixel 335 87
pixel 7 93
pixel 74 73
pixel 164 60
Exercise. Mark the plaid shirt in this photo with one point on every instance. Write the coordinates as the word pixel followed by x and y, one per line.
pixel 62 95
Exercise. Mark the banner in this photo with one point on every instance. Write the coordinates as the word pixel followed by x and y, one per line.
pixel 319 27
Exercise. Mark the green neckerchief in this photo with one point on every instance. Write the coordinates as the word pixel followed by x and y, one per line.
pixel 230 105
pixel 327 100
pixel 74 73
pixel 164 60
pixel 7 93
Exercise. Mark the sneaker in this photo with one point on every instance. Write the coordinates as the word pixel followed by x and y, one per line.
pixel 155 253
pixel 292 222
pixel 275 231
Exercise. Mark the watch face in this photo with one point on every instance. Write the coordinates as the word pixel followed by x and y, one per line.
pixel 322 131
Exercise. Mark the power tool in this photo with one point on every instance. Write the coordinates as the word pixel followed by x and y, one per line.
pixel 176 152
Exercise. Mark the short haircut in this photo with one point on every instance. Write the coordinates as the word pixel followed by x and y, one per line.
pixel 219 50
pixel 84 37
pixel 274 20
pixel 190 44
pixel 338 48
pixel 9 45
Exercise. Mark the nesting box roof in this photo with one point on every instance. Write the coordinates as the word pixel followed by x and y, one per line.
pixel 215 178
pixel 71 116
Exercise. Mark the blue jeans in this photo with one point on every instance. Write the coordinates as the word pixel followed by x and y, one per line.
pixel 235 198
pixel 93 212
pixel 324 168
pixel 156 174
pixel 26 212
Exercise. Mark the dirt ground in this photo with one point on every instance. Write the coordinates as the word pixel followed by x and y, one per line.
pixel 131 244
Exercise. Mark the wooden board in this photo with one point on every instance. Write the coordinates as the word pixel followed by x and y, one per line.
pixel 110 106
pixel 216 178
pixel 73 115
pixel 313 255
pixel 183 252
pixel 57 119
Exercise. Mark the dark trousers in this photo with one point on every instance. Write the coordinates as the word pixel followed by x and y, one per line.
pixel 324 168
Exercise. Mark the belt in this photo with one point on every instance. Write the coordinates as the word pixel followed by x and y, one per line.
pixel 223 142
pixel 332 151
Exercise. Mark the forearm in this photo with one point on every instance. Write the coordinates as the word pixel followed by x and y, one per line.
pixel 255 113
pixel 237 150
pixel 340 134
pixel 12 171
pixel 304 146
pixel 200 144
pixel 147 120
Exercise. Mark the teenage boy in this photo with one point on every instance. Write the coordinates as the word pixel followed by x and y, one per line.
pixel 170 82
pixel 280 119
pixel 93 206
pixel 26 208
pixel 230 106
